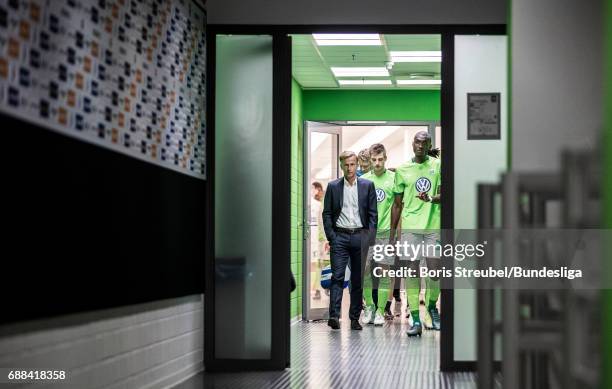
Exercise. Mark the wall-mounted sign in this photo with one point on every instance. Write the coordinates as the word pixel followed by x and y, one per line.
pixel 483 116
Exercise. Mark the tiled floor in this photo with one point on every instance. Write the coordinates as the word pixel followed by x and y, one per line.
pixel 381 357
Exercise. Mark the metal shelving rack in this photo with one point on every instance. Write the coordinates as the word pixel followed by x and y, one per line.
pixel 544 344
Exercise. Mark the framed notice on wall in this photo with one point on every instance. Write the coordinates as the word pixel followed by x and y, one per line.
pixel 483 116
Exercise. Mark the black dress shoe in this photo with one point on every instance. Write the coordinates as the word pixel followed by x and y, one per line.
pixel 355 325
pixel 334 323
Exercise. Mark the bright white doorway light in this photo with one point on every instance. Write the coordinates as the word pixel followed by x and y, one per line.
pixel 419 82
pixel 364 82
pixel 347 39
pixel 360 72
pixel 416 56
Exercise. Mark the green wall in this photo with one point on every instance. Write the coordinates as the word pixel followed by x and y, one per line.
pixel 607 294
pixel 296 196
pixel 371 105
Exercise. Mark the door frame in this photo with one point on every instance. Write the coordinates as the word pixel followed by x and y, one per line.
pixel 281 159
pixel 306 206
pixel 431 128
pixel 282 77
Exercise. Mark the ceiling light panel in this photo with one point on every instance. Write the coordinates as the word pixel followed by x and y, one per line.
pixel 358 72
pixel 347 39
pixel 416 56
pixel 419 82
pixel 364 82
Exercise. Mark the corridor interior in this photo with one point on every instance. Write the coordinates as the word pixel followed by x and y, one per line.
pixel 375 357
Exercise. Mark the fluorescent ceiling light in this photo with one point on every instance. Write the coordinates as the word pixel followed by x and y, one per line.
pixel 347 42
pixel 366 122
pixel 419 82
pixel 364 82
pixel 416 56
pixel 347 39
pixel 346 36
pixel 415 53
pixel 356 72
pixel 416 59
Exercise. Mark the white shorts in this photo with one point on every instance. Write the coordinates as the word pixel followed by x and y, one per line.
pixel 416 247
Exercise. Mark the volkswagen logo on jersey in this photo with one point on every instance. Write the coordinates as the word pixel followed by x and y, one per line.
pixel 380 195
pixel 423 185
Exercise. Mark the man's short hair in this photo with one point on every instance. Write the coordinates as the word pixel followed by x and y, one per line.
pixel 346 154
pixel 378 148
pixel 364 155
pixel 317 185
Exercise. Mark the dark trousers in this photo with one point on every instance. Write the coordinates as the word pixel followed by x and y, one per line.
pixel 346 250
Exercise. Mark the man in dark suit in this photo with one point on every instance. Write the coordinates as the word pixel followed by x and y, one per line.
pixel 350 217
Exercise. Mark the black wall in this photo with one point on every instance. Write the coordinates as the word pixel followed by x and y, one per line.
pixel 85 228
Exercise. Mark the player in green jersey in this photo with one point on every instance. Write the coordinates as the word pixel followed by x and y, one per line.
pixel 363 159
pixel 384 181
pixel 417 191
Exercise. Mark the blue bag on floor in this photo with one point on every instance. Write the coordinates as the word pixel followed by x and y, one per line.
pixel 326 274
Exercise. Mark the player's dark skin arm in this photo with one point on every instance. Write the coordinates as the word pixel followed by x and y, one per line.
pixel 396 211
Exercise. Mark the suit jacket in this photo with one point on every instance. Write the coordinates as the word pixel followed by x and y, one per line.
pixel 368 211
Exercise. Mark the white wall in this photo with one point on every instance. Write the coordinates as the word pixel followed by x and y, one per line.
pixel 480 66
pixel 151 345
pixel 557 67
pixel 357 12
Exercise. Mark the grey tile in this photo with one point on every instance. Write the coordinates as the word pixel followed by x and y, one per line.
pixel 373 358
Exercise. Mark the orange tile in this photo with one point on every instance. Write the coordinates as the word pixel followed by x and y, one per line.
pixel 138 75
pixel 3 68
pixel 115 11
pixel 114 135
pixel 87 64
pixel 121 119
pixel 13 49
pixel 109 25
pixel 126 104
pixel 133 90
pixel 34 12
pixel 94 49
pixel 71 98
pixel 62 116
pixel 79 80
pixel 24 30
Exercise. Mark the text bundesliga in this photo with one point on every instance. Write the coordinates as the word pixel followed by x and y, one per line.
pixel 461 272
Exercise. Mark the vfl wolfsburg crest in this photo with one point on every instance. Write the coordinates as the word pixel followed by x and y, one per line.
pixel 380 195
pixel 422 185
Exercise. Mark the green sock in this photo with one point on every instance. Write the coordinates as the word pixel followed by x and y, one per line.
pixel 432 293
pixel 382 299
pixel 413 288
pixel 367 289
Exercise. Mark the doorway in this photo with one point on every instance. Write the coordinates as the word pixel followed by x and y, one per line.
pixel 279 318
pixel 324 141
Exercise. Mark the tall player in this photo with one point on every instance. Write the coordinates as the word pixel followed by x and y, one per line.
pixel 417 190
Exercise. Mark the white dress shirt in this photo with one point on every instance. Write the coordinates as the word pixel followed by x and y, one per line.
pixel 349 216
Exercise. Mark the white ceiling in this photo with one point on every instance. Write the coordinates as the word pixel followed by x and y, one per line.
pixel 312 63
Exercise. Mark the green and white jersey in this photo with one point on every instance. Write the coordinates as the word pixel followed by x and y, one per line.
pixel 412 178
pixel 384 185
